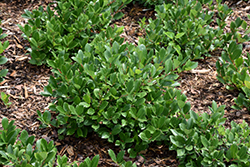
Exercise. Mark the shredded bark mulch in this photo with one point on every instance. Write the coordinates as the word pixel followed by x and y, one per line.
pixel 24 83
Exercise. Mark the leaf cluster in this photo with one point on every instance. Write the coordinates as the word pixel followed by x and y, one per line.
pixel 22 152
pixel 67 27
pixel 3 59
pixel 126 93
pixel 233 66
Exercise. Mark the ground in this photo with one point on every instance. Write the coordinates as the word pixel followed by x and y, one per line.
pixel 24 83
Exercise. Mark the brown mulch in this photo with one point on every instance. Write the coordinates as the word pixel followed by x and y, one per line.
pixel 24 83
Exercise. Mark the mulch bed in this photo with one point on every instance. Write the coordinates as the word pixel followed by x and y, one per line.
pixel 24 83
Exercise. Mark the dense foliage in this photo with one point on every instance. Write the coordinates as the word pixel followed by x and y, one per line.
pixel 126 93
pixel 3 59
pixel 22 153
pixel 74 24
pixel 233 66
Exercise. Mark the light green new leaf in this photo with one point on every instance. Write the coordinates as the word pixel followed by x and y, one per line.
pixel 40 156
pixel 179 35
pixel 170 34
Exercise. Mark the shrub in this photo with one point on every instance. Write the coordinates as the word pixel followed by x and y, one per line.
pixel 183 26
pixel 233 66
pixel 116 90
pixel 5 98
pixel 233 71
pixel 151 3
pixel 126 93
pixel 203 141
pixel 19 151
pixel 3 59
pixel 68 27
pixel 22 153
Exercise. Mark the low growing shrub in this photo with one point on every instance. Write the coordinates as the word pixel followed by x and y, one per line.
pixel 233 71
pixel 204 141
pixel 3 59
pixel 126 93
pixel 20 152
pixel 186 27
pixel 117 91
pixel 68 27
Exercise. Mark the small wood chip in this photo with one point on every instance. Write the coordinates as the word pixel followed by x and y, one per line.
pixel 70 150
pixel 200 71
pixel 26 95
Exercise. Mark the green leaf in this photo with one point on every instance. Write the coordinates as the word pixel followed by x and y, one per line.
pixel 97 93
pixel 141 114
pixel 23 137
pixel 3 153
pixel 112 155
pixel 232 26
pixel 145 135
pixel 116 47
pixel 232 47
pixel 232 152
pixel 87 162
pixel 239 62
pixel 236 54
pixel 130 85
pixel 91 111
pixel 71 131
pixel 47 116
pixel 179 35
pixel 140 102
pixel 193 115
pixel 3 73
pixel 50 156
pixel 238 22
pixel 79 132
pixel 118 16
pixel 214 106
pixel 230 137
pixel 170 34
pixel 168 66
pixel 105 135
pixel 244 24
pixel 84 104
pixel 60 131
pixel 29 150
pixel 137 71
pixel 113 91
pixel 181 152
pixel 156 134
pixel 120 156
pixel 247 82
pixel 103 105
pixel 40 156
pixel 142 94
pixel 95 161
pixel 116 130
pixel 1 48
pixel 204 141
pixel 190 65
pixel 177 140
pixel 3 60
pixel 5 123
pixel 33 41
pixel 243 153
pixel 86 98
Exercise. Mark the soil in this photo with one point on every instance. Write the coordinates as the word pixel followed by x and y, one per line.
pixel 24 83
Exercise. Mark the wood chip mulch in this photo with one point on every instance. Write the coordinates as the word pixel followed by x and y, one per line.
pixel 24 83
